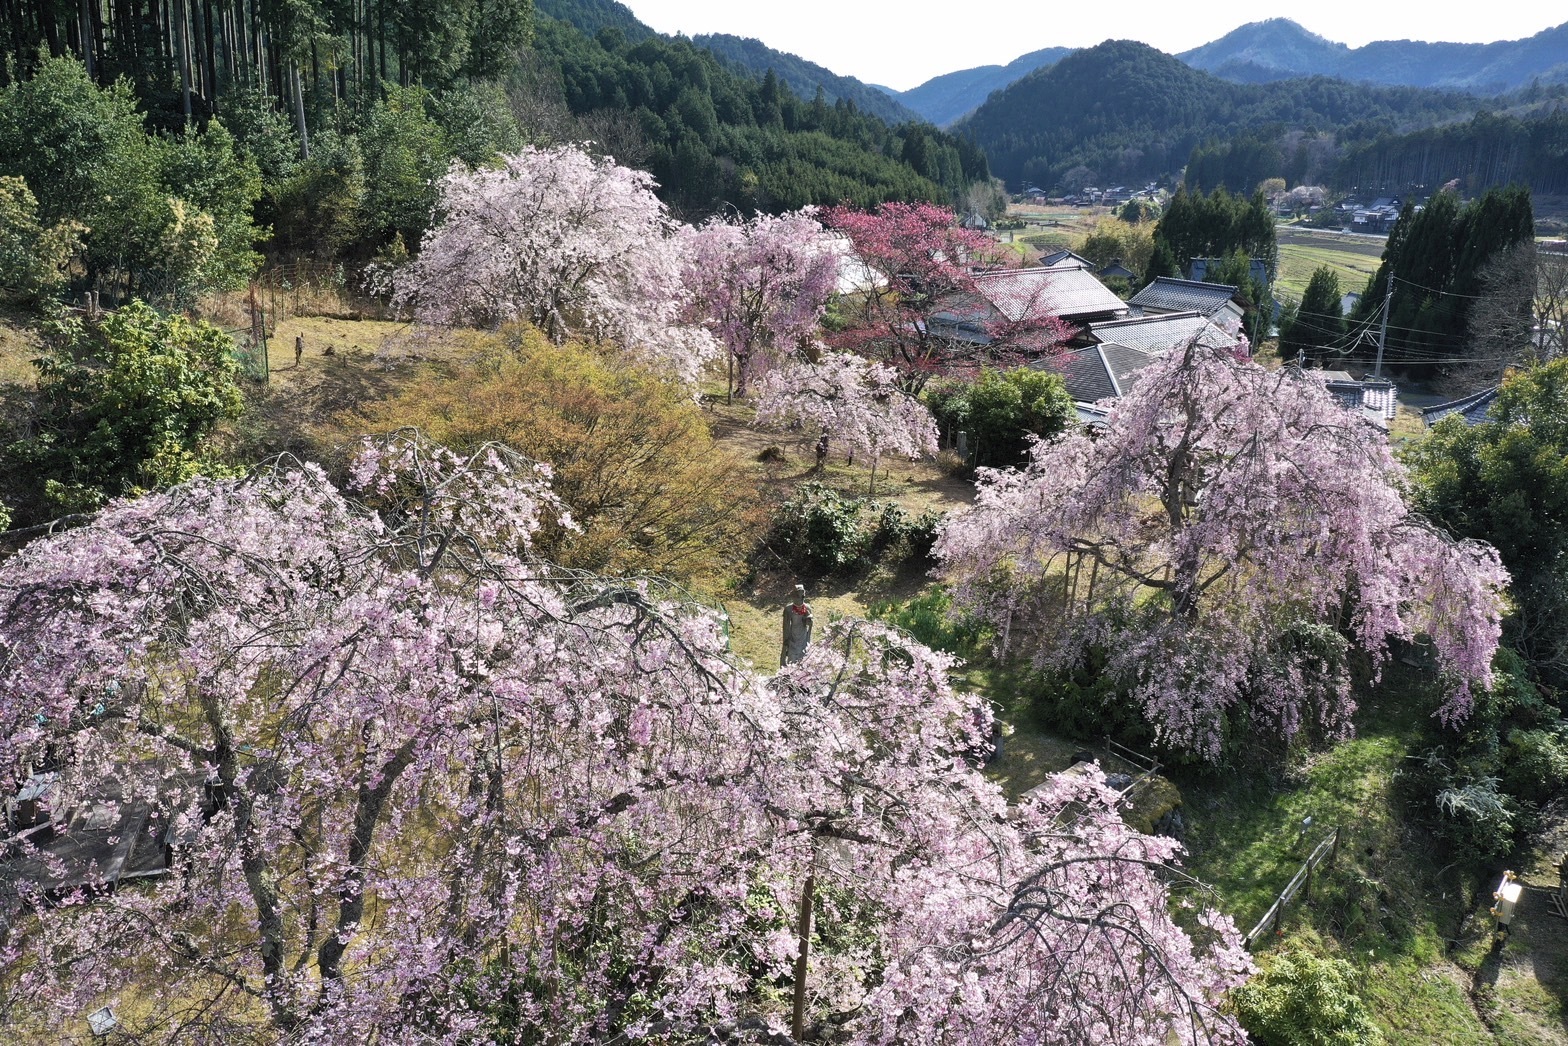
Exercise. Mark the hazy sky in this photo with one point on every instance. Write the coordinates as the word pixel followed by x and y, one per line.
pixel 903 44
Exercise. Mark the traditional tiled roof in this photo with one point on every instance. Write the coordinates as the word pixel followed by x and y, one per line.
pixel 1065 257
pixel 1167 294
pixel 1068 291
pixel 1474 408
pixel 1375 399
pixel 1099 372
pixel 1161 332
pixel 1198 268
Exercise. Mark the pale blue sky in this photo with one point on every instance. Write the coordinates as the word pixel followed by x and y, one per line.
pixel 903 44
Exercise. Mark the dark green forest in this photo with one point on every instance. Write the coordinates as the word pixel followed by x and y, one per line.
pixel 1488 150
pixel 713 136
pixel 1123 112
pixel 178 138
pixel 755 58
pixel 1439 264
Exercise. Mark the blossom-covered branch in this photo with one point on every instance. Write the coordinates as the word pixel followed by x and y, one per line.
pixel 1237 525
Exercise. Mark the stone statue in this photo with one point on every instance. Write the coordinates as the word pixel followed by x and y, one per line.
pixel 797 628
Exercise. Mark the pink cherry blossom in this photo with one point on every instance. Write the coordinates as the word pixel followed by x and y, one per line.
pixel 1229 529
pixel 455 794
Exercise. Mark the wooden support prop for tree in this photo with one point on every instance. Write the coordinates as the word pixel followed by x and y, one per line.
pixel 802 960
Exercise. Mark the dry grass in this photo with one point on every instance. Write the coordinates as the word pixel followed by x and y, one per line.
pixel 19 344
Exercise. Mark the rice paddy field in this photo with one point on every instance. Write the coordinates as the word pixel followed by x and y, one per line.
pixel 1354 257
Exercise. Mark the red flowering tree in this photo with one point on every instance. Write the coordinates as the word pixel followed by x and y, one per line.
pixel 915 288
pixel 1227 537
pixel 454 795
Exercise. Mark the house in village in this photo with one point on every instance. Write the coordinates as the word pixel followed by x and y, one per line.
pixel 1214 301
pixel 1474 409
pixel 1117 271
pixel 1105 366
pixel 1377 217
pixel 1375 400
pixel 1065 257
pixel 1199 268
pixel 118 836
pixel 1068 291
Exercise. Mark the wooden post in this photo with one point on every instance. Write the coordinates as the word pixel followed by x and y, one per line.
pixel 1067 584
pixel 803 929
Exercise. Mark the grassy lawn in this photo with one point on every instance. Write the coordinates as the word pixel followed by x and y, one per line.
pixel 1380 906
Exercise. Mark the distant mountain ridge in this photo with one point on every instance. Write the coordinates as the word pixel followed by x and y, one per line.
pixel 747 56
pixel 943 99
pixel 803 77
pixel 1279 49
pixel 1122 112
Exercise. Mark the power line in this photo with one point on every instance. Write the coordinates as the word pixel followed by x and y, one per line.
pixel 1434 290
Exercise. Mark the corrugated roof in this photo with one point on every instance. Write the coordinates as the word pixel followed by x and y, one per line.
pixel 1068 291
pixel 1173 295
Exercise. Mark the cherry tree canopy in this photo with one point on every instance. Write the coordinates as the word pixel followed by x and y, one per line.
pixel 760 285
pixel 920 264
pixel 457 795
pixel 573 244
pixel 854 400
pixel 1217 540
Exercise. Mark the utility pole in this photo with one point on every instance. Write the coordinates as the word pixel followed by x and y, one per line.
pixel 1382 335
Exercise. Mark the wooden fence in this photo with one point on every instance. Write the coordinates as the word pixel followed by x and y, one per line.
pixel 1300 884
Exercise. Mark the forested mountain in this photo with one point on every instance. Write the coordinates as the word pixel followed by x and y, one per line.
pixel 1124 112
pixel 755 58
pixel 712 136
pixel 593 15
pixel 351 112
pixel 943 99
pixel 1279 49
pixel 1489 150
pixel 749 57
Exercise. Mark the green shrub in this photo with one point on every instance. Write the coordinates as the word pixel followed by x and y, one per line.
pixel 1301 999
pixel 929 618
pixel 33 258
pixel 1463 802
pixel 1001 410
pixel 1535 764
pixel 126 404
pixel 821 531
